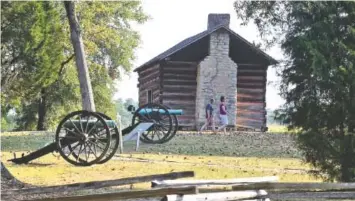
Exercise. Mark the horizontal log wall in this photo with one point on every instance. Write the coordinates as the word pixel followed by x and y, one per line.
pixel 178 84
pixel 149 79
pixel 251 88
pixel 174 84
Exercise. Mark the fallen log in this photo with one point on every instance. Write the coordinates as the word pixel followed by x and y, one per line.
pixel 296 186
pixel 222 196
pixel 101 184
pixel 157 183
pixel 310 195
pixel 127 194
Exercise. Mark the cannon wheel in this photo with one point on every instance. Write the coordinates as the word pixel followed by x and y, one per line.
pixel 163 123
pixel 69 137
pixel 175 127
pixel 115 141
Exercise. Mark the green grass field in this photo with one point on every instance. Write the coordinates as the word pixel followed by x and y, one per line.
pixel 210 156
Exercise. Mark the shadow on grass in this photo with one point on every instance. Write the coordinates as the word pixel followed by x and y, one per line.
pixel 35 164
pixel 265 145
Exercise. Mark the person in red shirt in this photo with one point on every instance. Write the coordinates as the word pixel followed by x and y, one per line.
pixel 223 115
pixel 209 116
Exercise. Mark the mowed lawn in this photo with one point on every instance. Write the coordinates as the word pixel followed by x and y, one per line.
pixel 210 156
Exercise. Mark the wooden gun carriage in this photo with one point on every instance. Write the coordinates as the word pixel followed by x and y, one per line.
pixel 84 138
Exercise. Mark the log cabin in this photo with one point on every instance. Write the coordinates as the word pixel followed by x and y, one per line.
pixel 208 65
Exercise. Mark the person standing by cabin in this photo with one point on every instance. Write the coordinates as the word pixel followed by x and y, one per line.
pixel 223 115
pixel 209 116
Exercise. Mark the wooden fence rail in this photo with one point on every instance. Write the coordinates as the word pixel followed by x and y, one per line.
pixel 216 182
pixel 310 195
pixel 128 194
pixel 256 189
pixel 101 184
pixel 296 186
pixel 219 196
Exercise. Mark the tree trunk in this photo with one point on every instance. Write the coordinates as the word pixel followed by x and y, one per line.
pixel 83 72
pixel 345 165
pixel 348 155
pixel 42 111
pixel 6 175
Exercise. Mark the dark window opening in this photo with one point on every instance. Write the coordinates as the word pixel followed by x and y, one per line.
pixel 150 96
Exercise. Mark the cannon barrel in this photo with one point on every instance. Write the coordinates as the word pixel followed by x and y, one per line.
pixel 40 152
pixel 112 124
pixel 88 123
pixel 161 111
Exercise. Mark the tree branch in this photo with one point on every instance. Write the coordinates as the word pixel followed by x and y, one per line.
pixel 64 63
pixel 40 45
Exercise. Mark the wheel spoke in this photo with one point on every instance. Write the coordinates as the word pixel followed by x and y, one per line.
pixel 81 125
pixel 96 145
pixel 160 131
pixel 94 148
pixel 93 127
pixel 144 118
pixel 161 134
pixel 87 124
pixel 153 135
pixel 161 127
pixel 72 149
pixel 77 157
pixel 76 128
pixel 92 151
pixel 158 136
pixel 85 152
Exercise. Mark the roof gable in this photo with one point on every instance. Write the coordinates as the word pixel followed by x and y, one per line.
pixel 183 44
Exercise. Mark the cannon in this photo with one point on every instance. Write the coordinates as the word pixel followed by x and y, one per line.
pixel 84 138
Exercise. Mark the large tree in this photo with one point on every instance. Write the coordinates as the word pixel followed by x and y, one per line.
pixel 318 75
pixel 31 86
pixel 81 64
pixel 30 53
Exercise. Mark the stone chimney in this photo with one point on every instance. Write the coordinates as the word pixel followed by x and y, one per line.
pixel 218 19
pixel 217 73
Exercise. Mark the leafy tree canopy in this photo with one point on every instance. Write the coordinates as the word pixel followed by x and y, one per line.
pixel 318 75
pixel 37 55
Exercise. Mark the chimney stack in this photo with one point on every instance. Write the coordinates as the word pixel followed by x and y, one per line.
pixel 218 19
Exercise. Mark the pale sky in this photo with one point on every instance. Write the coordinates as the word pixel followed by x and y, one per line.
pixel 175 20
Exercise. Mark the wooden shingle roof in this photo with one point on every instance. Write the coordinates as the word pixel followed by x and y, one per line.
pixel 185 43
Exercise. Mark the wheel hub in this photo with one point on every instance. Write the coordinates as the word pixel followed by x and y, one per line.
pixel 84 138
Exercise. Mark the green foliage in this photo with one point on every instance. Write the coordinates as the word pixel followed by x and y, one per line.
pixel 31 51
pixel 272 117
pixel 121 108
pixel 318 74
pixel 108 38
pixel 37 55
pixel 27 117
pixel 4 124
pixel 326 150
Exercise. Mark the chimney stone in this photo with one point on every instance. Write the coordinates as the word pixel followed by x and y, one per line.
pixel 217 73
pixel 218 19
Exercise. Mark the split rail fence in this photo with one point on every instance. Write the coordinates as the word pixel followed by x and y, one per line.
pixel 165 187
